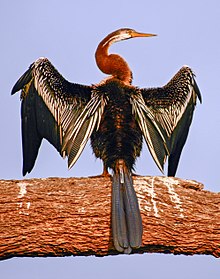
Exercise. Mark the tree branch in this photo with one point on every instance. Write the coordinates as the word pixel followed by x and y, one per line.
pixel 72 216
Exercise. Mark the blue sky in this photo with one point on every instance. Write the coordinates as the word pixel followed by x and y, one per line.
pixel 67 32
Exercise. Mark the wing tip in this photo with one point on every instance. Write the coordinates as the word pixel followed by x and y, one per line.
pixel 186 66
pixel 14 90
pixel 26 171
pixel 195 86
pixel 197 91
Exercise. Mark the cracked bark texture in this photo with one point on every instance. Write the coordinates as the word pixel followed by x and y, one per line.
pixel 72 216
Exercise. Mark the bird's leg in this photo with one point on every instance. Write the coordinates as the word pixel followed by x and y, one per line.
pixel 105 172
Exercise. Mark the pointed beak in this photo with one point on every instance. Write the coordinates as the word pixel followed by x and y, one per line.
pixel 138 34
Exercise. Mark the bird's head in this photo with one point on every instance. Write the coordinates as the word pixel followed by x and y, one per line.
pixel 124 34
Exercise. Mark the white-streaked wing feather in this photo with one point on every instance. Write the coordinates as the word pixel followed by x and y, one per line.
pixel 151 130
pixel 169 103
pixel 172 107
pixel 63 104
pixel 79 132
pixel 77 121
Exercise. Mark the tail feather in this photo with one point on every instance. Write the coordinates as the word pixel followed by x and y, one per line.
pixel 126 218
pixel 134 221
pixel 119 227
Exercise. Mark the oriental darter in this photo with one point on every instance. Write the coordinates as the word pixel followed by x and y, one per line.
pixel 116 116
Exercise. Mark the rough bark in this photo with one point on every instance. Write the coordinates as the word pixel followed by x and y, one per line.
pixel 71 216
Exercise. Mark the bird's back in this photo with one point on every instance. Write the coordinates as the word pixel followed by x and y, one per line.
pixel 118 136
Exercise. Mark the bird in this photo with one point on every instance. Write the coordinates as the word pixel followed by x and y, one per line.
pixel 116 117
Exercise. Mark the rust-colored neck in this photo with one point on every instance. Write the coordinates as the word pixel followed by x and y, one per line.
pixel 112 64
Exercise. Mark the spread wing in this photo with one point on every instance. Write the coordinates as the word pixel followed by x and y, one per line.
pixel 172 106
pixel 64 113
pixel 150 128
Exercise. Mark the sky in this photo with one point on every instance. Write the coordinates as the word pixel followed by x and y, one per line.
pixel 67 33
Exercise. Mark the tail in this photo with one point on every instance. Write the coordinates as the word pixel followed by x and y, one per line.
pixel 126 219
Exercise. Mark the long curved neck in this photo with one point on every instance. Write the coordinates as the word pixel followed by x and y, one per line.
pixel 112 64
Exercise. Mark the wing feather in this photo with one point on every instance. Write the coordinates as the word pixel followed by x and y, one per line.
pixel 151 130
pixel 50 107
pixel 172 106
pixel 79 131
